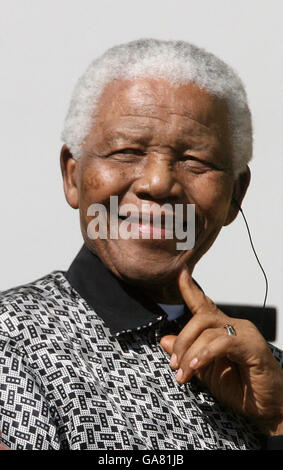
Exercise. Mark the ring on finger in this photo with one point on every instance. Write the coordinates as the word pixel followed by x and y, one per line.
pixel 231 330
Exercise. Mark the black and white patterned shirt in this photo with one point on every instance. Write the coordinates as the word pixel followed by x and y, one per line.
pixel 81 368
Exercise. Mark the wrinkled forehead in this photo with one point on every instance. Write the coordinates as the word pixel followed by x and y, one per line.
pixel 148 95
pixel 149 107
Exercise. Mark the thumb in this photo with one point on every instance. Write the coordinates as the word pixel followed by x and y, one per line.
pixel 167 343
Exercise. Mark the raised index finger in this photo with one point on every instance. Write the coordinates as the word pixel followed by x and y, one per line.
pixel 195 299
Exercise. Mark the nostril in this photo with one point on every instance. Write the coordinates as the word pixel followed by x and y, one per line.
pixel 146 196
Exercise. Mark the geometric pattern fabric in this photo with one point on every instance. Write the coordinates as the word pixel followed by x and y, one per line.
pixel 67 383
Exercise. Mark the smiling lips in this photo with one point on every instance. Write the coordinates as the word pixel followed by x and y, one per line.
pixel 153 226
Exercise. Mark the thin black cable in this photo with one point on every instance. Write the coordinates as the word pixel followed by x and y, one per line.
pixel 253 248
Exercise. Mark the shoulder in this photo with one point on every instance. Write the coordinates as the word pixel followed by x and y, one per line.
pixel 34 302
pixel 40 288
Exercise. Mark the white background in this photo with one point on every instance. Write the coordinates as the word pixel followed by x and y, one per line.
pixel 45 45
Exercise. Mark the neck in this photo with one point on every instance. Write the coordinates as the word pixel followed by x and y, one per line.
pixel 166 294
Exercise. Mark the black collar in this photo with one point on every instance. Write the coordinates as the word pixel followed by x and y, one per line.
pixel 121 307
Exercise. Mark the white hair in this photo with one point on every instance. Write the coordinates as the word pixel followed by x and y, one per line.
pixel 179 62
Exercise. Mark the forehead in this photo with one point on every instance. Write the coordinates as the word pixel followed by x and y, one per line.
pixel 150 107
pixel 121 96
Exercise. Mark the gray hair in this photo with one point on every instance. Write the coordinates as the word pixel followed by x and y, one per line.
pixel 179 62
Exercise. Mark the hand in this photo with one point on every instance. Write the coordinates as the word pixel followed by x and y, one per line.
pixel 240 371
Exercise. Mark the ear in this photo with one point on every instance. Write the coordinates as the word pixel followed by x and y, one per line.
pixel 241 185
pixel 69 169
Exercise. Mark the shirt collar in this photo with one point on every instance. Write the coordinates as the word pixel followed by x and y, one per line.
pixel 122 307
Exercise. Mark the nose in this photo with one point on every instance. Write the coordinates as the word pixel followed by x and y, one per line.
pixel 158 180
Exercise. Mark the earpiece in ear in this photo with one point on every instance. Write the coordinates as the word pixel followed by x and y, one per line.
pixel 234 201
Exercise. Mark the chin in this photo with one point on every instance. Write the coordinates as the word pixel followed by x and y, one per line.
pixel 134 275
pixel 139 265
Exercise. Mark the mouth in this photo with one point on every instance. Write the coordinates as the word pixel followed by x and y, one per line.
pixel 156 226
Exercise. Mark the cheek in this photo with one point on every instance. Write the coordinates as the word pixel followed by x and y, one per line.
pixel 99 182
pixel 211 195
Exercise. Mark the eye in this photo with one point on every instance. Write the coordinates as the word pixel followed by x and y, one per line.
pixel 129 151
pixel 127 155
pixel 195 164
pixel 192 160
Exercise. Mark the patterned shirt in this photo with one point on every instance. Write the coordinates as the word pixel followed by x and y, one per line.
pixel 81 367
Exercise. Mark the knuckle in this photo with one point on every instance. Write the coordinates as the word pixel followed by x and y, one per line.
pixel 179 346
pixel 247 327
pixel 205 354
pixel 247 324
pixel 209 333
pixel 204 305
pixel 227 340
pixel 229 344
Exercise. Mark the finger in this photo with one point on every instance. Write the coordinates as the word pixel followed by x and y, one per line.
pixel 191 331
pixel 202 356
pixel 167 343
pixel 195 299
pixel 190 360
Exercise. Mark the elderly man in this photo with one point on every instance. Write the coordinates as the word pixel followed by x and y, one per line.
pixel 125 351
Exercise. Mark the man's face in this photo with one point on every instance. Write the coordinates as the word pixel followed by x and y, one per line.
pixel 155 143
